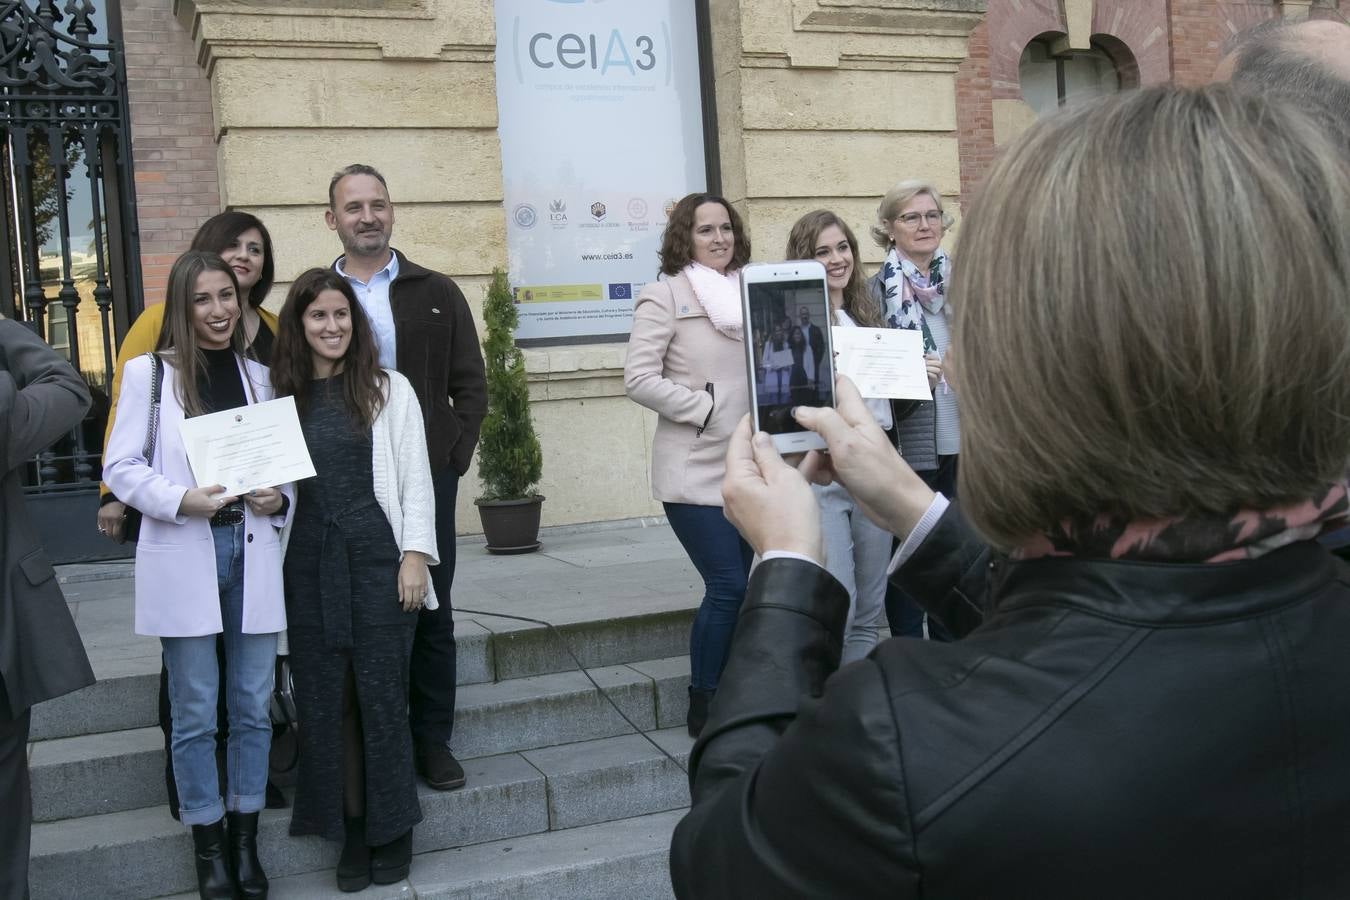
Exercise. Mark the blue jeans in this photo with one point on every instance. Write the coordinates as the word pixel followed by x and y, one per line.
pixel 723 560
pixel 194 680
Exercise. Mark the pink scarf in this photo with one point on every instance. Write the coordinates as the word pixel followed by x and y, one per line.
pixel 720 295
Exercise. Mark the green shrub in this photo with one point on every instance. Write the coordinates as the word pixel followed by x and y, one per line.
pixel 509 459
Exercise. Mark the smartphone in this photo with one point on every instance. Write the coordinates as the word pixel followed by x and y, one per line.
pixel 788 355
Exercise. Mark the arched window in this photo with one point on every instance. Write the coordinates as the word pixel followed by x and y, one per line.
pixel 1050 80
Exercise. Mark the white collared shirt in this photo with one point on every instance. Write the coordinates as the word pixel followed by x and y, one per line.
pixel 374 298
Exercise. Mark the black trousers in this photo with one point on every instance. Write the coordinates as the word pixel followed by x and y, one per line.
pixel 16 802
pixel 431 694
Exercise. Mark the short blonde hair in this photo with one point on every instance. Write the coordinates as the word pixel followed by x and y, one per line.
pixel 894 201
pixel 1153 314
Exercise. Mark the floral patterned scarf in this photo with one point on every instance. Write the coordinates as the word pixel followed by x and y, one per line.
pixel 909 292
pixel 1246 535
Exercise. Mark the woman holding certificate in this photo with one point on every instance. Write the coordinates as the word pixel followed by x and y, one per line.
pixel 356 576
pixel 911 288
pixel 857 550
pixel 206 564
pixel 242 240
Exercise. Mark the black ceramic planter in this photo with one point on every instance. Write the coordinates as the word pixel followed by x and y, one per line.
pixel 511 526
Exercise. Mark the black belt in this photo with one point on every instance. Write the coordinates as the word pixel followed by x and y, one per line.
pixel 229 515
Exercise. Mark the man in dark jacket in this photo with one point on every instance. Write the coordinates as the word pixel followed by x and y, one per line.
pixel 424 329
pixel 41 655
pixel 815 339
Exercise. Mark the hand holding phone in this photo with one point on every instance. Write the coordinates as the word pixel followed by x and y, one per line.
pixel 788 305
pixel 768 500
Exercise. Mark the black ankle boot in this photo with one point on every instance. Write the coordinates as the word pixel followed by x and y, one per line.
pixel 248 872
pixel 213 873
pixel 389 863
pixel 353 869
pixel 698 711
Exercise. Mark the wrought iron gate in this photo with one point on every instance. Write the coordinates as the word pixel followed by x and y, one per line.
pixel 69 267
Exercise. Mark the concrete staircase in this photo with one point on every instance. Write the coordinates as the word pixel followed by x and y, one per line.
pixel 564 799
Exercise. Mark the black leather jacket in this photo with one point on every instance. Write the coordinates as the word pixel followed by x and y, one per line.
pixel 1112 730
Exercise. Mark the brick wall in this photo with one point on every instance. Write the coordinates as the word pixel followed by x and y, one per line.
pixel 974 113
pixel 1200 28
pixel 173 140
pixel 1153 41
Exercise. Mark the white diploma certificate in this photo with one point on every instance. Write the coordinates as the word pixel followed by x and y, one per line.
pixel 258 446
pixel 882 362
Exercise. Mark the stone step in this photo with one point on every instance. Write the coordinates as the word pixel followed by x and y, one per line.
pixel 126 695
pixel 620 860
pixel 123 770
pixel 144 853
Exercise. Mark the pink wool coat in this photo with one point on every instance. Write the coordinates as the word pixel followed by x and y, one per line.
pixel 673 353
pixel 176 591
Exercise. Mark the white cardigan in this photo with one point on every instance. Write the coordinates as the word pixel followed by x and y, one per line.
pixel 402 473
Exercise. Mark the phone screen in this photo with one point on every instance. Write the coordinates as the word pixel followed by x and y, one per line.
pixel 789 325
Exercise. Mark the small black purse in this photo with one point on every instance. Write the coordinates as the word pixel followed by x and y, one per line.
pixel 131 527
pixel 285 751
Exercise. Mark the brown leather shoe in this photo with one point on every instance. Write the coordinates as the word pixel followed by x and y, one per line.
pixel 438 766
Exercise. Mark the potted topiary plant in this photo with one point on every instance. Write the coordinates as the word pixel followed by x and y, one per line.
pixel 509 459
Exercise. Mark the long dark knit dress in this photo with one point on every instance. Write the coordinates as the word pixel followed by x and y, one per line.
pixel 342 609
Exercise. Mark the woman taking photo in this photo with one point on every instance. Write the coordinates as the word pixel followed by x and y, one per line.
pixel 857 551
pixel 686 361
pixel 357 554
pixel 911 288
pixel 1155 698
pixel 206 565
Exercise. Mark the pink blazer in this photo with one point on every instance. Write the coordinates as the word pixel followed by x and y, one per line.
pixel 176 590
pixel 674 355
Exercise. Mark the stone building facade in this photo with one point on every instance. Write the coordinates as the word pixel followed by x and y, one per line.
pixel 820 103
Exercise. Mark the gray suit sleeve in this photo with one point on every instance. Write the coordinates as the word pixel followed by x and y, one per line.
pixel 41 396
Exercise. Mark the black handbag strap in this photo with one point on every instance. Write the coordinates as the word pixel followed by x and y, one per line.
pixel 152 420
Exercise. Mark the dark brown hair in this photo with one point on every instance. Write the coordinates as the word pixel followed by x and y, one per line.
pixel 801 244
pixel 293 359
pixel 220 231
pixel 178 337
pixel 677 242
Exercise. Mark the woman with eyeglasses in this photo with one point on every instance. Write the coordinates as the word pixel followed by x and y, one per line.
pixel 911 288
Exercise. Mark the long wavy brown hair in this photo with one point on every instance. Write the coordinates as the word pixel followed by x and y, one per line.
pixel 293 359
pixel 801 244
pixel 177 343
pixel 677 242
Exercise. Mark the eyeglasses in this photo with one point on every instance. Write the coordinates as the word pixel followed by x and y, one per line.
pixel 912 220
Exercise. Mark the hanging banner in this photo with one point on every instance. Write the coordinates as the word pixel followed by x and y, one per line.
pixel 601 127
